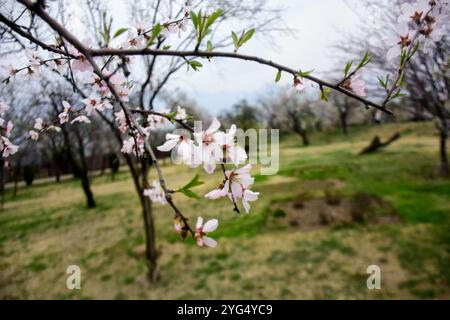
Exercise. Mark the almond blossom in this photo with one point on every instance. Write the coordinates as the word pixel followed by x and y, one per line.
pixel 64 116
pixel 181 114
pixel 81 119
pixel 397 42
pixel 9 127
pixel 156 193
pixel 39 124
pixel 8 148
pixel 220 192
pixel 240 179
pixel 135 40
pixel 34 135
pixel 414 12
pixel 233 152
pixel 122 120
pixel 249 196
pixel 201 232
pixel 297 87
pixel 96 104
pixel 157 122
pixel 128 146
pixel 182 143
pixel 81 64
pixel 356 84
pixel 210 147
pixel 177 224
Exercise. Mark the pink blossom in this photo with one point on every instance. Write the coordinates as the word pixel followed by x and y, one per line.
pixel 297 87
pixel 240 180
pixel 249 196
pixel 414 12
pixel 177 224
pixel 34 135
pixel 121 119
pixel 9 127
pixel 356 84
pixel 233 152
pixel 398 41
pixel 183 144
pixel 64 116
pixel 95 104
pixel 8 148
pixel 81 119
pixel 201 232
pixel 210 148
pixel 39 124
pixel 221 191
pixel 156 193
pixel 128 146
pixel 82 64
pixel 181 114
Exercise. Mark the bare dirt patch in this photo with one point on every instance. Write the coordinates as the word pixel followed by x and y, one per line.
pixel 333 210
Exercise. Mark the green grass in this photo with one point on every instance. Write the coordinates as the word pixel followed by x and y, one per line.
pixel 46 228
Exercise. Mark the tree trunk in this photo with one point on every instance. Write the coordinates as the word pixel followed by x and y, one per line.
pixel 304 135
pixel 85 184
pixel 343 118
pixel 151 253
pixel 444 167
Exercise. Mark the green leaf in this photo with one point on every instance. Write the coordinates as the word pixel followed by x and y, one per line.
pixel 365 60
pixel 193 183
pixel 235 40
pixel 190 194
pixel 324 94
pixel 278 78
pixel 155 32
pixel 347 68
pixel 213 17
pixel 195 65
pixel 381 82
pixel 119 32
pixel 167 47
pixel 247 36
pixel 209 45
pixel 303 74
pixel 194 19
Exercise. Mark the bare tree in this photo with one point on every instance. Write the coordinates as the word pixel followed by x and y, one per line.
pixel 426 77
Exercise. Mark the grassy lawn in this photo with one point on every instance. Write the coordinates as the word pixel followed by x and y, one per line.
pixel 46 228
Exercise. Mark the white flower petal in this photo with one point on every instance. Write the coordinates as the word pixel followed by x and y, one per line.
pixel 211 225
pixel 199 223
pixel 210 242
pixel 167 146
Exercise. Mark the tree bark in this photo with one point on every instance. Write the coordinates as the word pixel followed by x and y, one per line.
pixel 343 118
pixel 151 253
pixel 304 135
pixel 376 144
pixel 444 167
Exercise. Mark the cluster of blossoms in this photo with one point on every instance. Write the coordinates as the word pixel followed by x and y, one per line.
pixel 40 126
pixel 425 19
pixel 139 36
pixel 6 146
pixel 156 193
